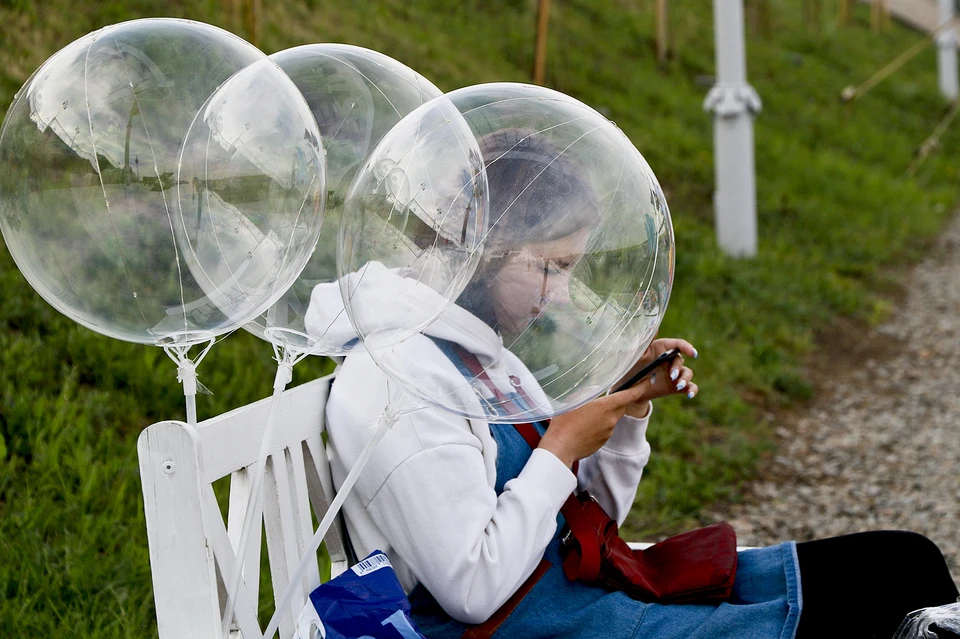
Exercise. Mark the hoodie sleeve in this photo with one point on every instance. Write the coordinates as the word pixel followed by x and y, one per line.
pixel 613 473
pixel 428 489
pixel 470 548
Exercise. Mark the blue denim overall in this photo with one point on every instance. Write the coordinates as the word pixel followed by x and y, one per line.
pixel 766 597
pixel 765 605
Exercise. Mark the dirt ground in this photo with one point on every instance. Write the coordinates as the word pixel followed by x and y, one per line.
pixel 879 445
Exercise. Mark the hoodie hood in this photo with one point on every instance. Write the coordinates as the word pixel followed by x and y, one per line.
pixel 395 314
pixel 389 309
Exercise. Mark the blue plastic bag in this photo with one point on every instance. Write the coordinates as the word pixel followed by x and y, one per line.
pixel 365 602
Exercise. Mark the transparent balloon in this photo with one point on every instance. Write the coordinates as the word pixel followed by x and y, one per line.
pixel 251 191
pixel 576 268
pixel 89 182
pixel 357 96
pixel 412 222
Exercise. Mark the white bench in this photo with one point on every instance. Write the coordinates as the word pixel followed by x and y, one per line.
pixel 192 549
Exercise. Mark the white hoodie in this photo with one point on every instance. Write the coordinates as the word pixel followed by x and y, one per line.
pixel 426 497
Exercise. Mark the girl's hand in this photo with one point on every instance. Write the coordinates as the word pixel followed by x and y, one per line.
pixel 672 378
pixel 582 431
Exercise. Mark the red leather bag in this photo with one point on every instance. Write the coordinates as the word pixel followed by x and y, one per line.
pixel 698 566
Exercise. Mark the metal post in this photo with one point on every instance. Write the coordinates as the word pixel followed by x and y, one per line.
pixel 947 52
pixel 734 103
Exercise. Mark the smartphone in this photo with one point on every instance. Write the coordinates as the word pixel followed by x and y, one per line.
pixel 661 359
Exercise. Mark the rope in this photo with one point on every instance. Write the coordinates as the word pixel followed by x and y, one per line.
pixel 399 404
pixel 852 92
pixel 933 140
pixel 286 356
pixel 386 421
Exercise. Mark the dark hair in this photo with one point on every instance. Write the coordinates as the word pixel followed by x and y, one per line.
pixel 535 196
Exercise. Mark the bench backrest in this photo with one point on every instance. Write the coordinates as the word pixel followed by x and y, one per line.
pixel 192 549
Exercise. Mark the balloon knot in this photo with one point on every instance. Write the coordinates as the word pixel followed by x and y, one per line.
pixel 187 375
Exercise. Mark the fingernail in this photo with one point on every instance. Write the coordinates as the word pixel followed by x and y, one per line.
pixel 653 379
pixel 690 395
pixel 682 384
pixel 674 374
pixel 695 354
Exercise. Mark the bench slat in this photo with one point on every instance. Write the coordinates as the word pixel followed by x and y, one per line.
pixel 232 440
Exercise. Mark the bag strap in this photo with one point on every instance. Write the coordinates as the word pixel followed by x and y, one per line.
pixel 532 437
pixel 590 565
pixel 490 626
pixel 478 371
pixel 586 565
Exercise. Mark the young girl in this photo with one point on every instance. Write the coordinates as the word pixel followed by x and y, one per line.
pixel 467 510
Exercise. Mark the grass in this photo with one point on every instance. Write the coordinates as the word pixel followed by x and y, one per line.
pixel 840 220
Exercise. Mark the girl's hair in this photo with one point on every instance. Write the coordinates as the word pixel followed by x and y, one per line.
pixel 535 192
pixel 535 196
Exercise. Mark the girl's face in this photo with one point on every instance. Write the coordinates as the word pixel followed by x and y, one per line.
pixel 533 277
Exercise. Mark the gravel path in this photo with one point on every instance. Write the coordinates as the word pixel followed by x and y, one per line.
pixel 880 447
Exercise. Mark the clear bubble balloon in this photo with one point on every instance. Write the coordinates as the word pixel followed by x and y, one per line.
pixel 91 187
pixel 356 95
pixel 576 267
pixel 412 222
pixel 251 190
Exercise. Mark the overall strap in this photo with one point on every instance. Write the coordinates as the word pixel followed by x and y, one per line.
pixel 470 367
pixel 471 360
pixel 476 369
pixel 468 363
pixel 585 565
pixel 526 430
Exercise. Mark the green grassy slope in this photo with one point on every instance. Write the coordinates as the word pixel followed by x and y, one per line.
pixel 839 219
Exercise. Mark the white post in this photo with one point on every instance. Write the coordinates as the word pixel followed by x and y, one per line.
pixel 734 103
pixel 947 52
